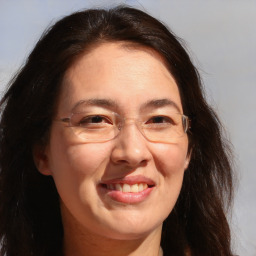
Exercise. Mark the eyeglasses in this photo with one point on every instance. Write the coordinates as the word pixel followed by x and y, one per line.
pixel 98 127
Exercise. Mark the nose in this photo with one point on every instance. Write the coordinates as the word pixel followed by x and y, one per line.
pixel 131 148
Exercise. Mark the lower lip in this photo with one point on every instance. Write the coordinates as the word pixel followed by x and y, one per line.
pixel 128 197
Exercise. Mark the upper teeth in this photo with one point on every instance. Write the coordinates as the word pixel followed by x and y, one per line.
pixel 128 188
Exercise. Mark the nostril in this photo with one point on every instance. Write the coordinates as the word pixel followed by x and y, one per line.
pixel 143 163
pixel 103 185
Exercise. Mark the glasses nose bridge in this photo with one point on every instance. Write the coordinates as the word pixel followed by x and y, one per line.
pixel 127 121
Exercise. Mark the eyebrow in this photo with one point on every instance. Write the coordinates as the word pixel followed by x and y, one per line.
pixel 159 103
pixel 112 105
pixel 106 103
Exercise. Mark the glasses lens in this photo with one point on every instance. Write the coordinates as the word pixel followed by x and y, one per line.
pixel 98 128
pixel 167 128
pixel 95 128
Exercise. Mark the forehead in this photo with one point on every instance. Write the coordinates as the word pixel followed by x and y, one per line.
pixel 128 74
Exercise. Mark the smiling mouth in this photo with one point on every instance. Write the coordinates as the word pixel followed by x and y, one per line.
pixel 127 188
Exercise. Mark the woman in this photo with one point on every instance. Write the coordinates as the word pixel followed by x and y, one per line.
pixel 108 146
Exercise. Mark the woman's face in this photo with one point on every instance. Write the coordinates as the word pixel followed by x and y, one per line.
pixel 93 178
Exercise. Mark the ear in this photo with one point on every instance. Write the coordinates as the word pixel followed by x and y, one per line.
pixel 186 164
pixel 187 160
pixel 41 160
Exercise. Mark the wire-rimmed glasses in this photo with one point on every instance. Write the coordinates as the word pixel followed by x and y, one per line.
pixel 101 127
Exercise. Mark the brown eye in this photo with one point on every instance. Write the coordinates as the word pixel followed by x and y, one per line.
pixel 90 120
pixel 160 120
pixel 94 119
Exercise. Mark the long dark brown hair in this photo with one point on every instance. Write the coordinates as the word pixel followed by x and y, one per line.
pixel 30 220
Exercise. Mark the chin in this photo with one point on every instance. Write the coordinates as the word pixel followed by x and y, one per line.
pixel 131 234
pixel 135 227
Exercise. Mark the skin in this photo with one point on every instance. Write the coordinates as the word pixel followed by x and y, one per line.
pixel 94 223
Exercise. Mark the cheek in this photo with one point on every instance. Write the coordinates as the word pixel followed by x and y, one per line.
pixel 171 159
pixel 78 160
pixel 72 164
pixel 76 169
pixel 88 158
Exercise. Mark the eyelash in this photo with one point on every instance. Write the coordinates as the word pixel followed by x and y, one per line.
pixel 154 120
pixel 89 120
pixel 163 118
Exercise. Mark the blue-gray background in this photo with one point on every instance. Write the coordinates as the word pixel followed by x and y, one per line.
pixel 220 37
